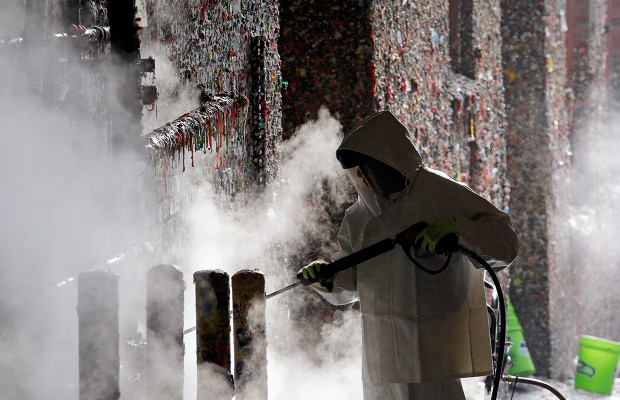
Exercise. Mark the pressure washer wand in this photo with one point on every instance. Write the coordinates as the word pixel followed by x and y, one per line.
pixel 284 289
pixel 346 262
pixel 338 266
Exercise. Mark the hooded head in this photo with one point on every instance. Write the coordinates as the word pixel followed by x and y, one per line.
pixel 380 159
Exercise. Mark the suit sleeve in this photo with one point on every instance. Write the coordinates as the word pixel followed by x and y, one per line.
pixel 491 236
pixel 345 284
pixel 483 228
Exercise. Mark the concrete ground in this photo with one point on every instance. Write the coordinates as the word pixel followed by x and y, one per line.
pixel 474 390
pixel 529 392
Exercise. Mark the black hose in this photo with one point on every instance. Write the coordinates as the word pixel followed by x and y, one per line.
pixel 502 318
pixel 499 368
pixel 535 382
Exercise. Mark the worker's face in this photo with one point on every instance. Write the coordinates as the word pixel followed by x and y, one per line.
pixel 375 182
pixel 381 178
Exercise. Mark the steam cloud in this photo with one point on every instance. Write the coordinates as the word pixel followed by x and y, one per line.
pixel 234 239
pixel 64 212
pixel 244 237
pixel 592 215
pixel 67 206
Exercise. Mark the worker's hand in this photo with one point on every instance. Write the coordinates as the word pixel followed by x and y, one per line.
pixel 439 238
pixel 311 273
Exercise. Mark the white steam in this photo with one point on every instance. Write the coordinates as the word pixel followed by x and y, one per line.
pixel 593 216
pixel 234 238
pixel 68 205
pixel 332 371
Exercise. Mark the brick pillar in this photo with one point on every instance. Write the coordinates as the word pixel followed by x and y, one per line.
pixel 534 75
pixel 124 78
pixel 35 73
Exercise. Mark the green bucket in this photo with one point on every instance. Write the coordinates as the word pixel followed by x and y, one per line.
pixel 596 367
pixel 522 364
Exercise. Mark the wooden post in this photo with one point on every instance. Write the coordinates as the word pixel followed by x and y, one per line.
pixel 249 327
pixel 99 360
pixel 213 335
pixel 164 322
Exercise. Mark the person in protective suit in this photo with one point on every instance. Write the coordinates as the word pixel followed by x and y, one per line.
pixel 421 332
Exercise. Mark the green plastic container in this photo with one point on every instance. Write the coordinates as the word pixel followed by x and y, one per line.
pixel 522 364
pixel 596 367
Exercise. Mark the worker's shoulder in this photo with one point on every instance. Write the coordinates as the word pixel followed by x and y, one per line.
pixel 440 176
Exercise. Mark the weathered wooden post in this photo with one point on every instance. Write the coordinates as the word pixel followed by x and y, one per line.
pixel 164 322
pixel 213 335
pixel 249 327
pixel 99 360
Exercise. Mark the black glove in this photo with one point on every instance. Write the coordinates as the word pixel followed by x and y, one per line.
pixel 440 238
pixel 311 274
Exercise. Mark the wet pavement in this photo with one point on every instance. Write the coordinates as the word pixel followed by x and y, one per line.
pixel 474 390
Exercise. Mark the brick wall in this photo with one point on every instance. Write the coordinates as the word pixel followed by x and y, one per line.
pixel 228 48
pixel 326 51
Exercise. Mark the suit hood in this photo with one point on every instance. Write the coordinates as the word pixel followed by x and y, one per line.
pixel 382 137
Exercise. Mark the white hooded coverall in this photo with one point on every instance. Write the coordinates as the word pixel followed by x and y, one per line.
pixel 421 332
